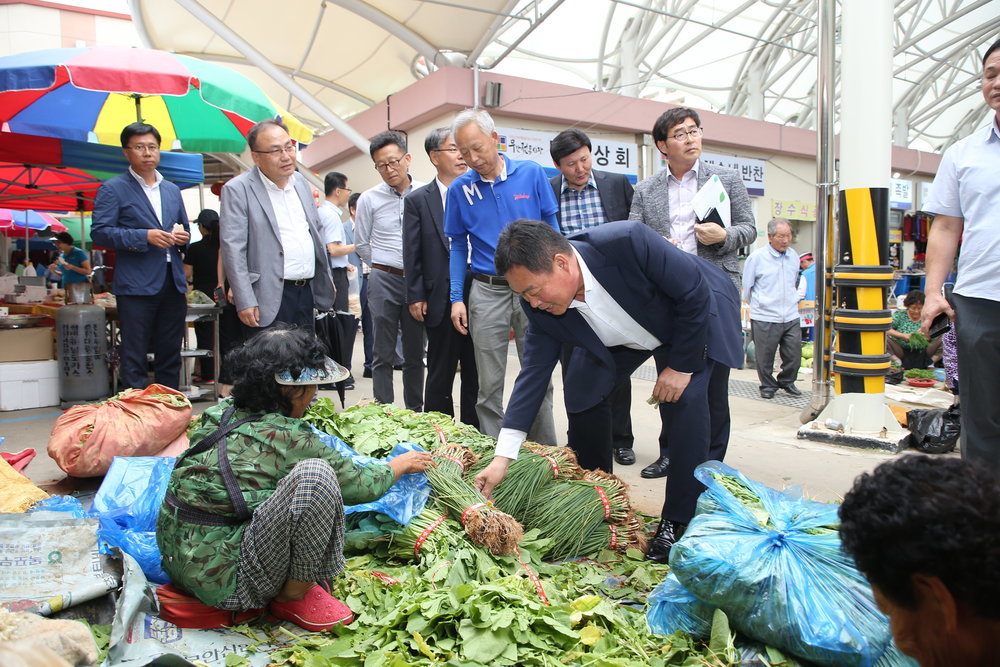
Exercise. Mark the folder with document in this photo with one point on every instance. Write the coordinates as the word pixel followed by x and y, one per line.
pixel 711 203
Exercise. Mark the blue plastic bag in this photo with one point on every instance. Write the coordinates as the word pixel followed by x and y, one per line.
pixel 127 505
pixel 778 572
pixel 405 499
pixel 69 504
pixel 672 608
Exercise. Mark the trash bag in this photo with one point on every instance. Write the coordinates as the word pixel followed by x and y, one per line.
pixel 405 499
pixel 772 561
pixel 127 505
pixel 933 431
pixel 671 607
pixel 136 422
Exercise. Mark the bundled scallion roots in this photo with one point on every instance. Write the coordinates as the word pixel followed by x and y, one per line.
pixel 621 537
pixel 484 524
pixel 534 469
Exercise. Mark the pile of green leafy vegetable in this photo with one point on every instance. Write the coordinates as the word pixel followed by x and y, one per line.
pixel 374 429
pixel 919 373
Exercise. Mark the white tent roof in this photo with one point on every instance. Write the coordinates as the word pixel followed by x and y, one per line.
pixel 750 58
pixel 349 54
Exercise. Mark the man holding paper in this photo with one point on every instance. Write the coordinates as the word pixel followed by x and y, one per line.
pixel 666 202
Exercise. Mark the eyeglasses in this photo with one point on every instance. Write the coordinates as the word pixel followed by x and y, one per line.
pixel 144 148
pixel 389 164
pixel 346 189
pixel 444 150
pixel 287 148
pixel 694 133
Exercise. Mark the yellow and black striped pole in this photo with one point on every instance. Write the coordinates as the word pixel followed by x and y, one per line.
pixel 861 278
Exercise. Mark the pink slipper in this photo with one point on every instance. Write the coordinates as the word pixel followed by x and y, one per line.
pixel 316 612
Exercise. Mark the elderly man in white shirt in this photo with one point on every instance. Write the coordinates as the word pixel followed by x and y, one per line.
pixel 965 199
pixel 769 286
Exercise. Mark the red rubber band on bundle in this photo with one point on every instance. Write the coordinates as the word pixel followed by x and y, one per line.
pixel 385 578
pixel 469 510
pixel 614 537
pixel 552 461
pixel 444 442
pixel 461 466
pixel 604 501
pixel 533 577
pixel 427 533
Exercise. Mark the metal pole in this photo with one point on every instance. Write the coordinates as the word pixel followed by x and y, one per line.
pixel 825 193
pixel 258 59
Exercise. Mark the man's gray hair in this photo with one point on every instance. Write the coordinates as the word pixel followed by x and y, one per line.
pixel 480 117
pixel 772 226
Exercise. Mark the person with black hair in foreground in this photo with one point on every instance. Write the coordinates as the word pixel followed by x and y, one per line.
pixel 925 531
pixel 254 510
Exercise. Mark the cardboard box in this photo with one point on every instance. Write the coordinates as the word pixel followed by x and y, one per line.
pixel 31 344
pixel 29 384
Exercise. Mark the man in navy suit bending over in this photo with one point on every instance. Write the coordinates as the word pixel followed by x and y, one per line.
pixel 619 294
pixel 142 217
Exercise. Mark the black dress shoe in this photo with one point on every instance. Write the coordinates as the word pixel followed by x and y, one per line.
pixel 767 392
pixel 624 456
pixel 792 389
pixel 667 533
pixel 658 468
pixel 367 373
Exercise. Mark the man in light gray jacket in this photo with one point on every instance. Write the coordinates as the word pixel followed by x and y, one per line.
pixel 663 201
pixel 269 237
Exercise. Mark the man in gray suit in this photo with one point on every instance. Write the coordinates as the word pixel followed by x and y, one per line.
pixel 587 198
pixel 663 201
pixel 270 238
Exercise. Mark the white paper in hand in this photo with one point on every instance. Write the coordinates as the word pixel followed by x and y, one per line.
pixel 712 197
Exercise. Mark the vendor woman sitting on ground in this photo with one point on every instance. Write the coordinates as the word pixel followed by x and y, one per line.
pixel 254 511
pixel 905 323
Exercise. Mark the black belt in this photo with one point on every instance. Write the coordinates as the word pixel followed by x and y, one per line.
pixel 491 280
pixel 390 269
pixel 301 282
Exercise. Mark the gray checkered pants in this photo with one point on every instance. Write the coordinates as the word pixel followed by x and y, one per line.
pixel 297 533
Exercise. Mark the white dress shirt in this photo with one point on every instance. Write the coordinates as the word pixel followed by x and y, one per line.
pixel 680 193
pixel 152 193
pixel 612 324
pixel 378 225
pixel 332 230
pixel 967 186
pixel 293 229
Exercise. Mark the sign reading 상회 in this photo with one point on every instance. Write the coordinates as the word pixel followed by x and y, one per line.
pixel 616 157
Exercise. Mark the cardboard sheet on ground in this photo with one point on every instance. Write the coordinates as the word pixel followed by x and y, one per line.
pixel 138 636
pixel 920 398
pixel 49 561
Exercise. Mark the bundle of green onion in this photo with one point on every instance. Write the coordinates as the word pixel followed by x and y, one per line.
pixel 535 468
pixel 431 531
pixel 568 511
pixel 484 524
pixel 618 537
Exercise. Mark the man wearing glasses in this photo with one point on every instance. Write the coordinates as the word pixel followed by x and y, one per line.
pixel 142 217
pixel 379 239
pixel 270 239
pixel 663 201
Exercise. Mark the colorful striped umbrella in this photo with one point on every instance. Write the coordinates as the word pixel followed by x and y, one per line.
pixel 22 224
pixel 90 94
